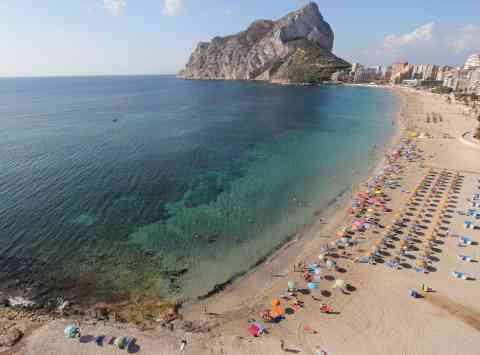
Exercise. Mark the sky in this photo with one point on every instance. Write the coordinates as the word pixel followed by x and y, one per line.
pixel 105 37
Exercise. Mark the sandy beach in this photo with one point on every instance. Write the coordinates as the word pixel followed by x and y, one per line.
pixel 428 179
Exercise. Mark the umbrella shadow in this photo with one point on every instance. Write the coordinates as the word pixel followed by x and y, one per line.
pixel 133 347
pixel 350 288
pixel 326 293
pixel 85 339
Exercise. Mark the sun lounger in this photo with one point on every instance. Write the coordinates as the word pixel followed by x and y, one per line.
pixel 465 258
pixel 392 264
pixel 460 275
pixel 469 225
pixel 473 213
pixel 414 294
pixel 364 259
pixel 465 241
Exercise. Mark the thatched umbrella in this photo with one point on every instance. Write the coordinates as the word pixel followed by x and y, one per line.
pixel 421 263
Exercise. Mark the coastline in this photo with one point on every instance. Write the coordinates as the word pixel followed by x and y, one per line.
pixel 365 324
pixel 286 253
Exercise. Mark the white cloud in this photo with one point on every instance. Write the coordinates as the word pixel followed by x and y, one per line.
pixel 115 7
pixel 466 39
pixel 425 44
pixel 173 7
pixel 421 34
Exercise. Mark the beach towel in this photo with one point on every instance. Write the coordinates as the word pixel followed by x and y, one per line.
pixel 253 330
pixel 120 342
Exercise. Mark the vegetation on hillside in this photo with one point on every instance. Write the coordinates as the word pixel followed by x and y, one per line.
pixel 310 63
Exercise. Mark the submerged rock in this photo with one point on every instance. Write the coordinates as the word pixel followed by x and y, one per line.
pixel 294 49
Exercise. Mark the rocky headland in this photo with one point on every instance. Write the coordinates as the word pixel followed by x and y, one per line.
pixel 295 49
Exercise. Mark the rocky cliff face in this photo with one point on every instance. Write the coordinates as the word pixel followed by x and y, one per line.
pixel 296 48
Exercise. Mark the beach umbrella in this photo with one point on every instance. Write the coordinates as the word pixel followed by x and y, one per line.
pixel 276 312
pixel 292 285
pixel 339 283
pixel 331 264
pixel 312 285
pixel 321 257
pixel 420 263
pixel 72 331
pixel 275 302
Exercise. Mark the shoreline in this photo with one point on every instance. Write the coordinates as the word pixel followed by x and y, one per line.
pixel 321 212
pixel 389 322
pixel 334 210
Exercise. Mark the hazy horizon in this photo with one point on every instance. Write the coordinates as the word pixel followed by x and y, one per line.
pixel 156 37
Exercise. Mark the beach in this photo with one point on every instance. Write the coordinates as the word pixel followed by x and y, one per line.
pixel 374 314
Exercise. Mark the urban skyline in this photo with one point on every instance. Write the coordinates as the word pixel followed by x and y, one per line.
pixel 464 79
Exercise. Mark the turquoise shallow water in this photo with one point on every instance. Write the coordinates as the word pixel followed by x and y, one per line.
pixel 118 186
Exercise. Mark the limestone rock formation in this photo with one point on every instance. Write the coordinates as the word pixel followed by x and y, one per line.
pixel 296 48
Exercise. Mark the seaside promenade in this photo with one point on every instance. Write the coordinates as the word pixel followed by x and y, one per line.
pixel 353 271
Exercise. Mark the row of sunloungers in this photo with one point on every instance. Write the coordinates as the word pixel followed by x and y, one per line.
pixel 427 209
pixel 465 241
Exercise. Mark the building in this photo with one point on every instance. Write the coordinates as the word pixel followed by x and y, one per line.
pixel 411 82
pixel 398 68
pixel 425 71
pixel 474 86
pixel 399 76
pixel 458 79
pixel 431 83
pixel 355 67
pixel 339 76
pixel 472 62
pixel 442 72
pixel 365 75
pixel 430 72
pixel 386 73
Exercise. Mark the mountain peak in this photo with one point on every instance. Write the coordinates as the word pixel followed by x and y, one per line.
pixel 267 50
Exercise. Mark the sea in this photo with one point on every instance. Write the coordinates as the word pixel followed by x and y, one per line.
pixel 151 186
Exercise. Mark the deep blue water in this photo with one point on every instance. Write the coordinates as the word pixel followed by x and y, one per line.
pixel 117 186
